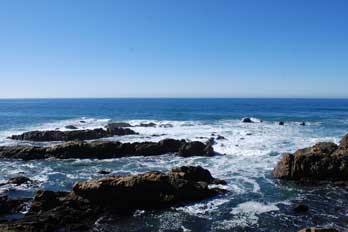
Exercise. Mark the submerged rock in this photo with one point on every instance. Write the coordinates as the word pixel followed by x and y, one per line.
pixel 281 123
pixel 114 195
pixel 150 124
pixel 19 180
pixel 107 150
pixel 324 161
pixel 118 125
pixel 43 136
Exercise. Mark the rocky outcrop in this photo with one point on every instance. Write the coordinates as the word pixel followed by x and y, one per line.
pixel 114 125
pixel 107 150
pixel 114 195
pixel 324 161
pixel 54 135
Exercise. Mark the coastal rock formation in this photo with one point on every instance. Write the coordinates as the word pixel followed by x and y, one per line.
pixel 114 195
pixel 8 206
pixel 319 230
pixel 54 135
pixel 114 125
pixel 324 161
pixel 107 150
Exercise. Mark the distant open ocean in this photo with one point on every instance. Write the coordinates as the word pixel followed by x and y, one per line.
pixel 256 201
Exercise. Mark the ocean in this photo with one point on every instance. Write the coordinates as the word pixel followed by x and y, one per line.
pixel 255 201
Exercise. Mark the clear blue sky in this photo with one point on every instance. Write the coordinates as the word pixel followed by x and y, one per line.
pixel 174 48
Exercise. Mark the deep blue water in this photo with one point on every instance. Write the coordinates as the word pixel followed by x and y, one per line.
pixel 256 201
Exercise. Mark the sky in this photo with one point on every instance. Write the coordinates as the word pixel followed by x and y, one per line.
pixel 173 48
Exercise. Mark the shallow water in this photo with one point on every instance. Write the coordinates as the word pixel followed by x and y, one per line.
pixel 255 202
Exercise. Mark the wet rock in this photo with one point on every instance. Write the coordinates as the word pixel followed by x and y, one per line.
pixel 324 161
pixel 42 136
pixel 107 150
pixel 319 230
pixel 71 127
pixel 114 195
pixel 220 137
pixel 195 148
pixel 167 125
pixel 8 206
pixel 247 120
pixel 151 124
pixel 118 125
pixel 344 142
pixel 19 180
pixel 302 124
pixel 301 208
pixel 248 134
pixel 281 123
pixel 103 172
pixel 82 121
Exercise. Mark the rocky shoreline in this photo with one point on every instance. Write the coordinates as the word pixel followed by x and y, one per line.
pixel 114 195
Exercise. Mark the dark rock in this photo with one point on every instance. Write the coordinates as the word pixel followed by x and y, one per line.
pixel 42 136
pixel 82 121
pixel 319 230
pixel 8 206
pixel 248 134
pixel 301 208
pixel 167 125
pixel 344 142
pixel 151 124
pixel 71 127
pixel 220 137
pixel 302 124
pixel 106 150
pixel 324 161
pixel 19 180
pixel 103 172
pixel 247 120
pixel 114 195
pixel 118 125
pixel 281 123
pixel 195 148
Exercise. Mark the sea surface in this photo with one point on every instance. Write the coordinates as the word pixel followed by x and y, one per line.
pixel 255 201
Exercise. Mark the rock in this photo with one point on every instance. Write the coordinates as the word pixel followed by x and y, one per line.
pixel 8 206
pixel 167 125
pixel 19 180
pixel 71 127
pixel 82 121
pixel 324 161
pixel 107 150
pixel 301 208
pixel 42 136
pixel 151 190
pixel 219 137
pixel 344 142
pixel 117 125
pixel 302 124
pixel 151 124
pixel 103 172
pixel 114 195
pixel 318 230
pixel 248 134
pixel 281 123
pixel 247 120
pixel 195 148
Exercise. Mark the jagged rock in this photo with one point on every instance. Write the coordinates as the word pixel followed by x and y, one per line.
pixel 195 148
pixel 247 120
pixel 71 127
pixel 324 161
pixel 106 150
pixel 114 195
pixel 344 142
pixel 42 136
